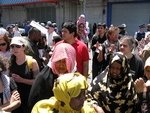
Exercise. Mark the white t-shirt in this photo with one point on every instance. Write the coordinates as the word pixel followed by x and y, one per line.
pixel 3 31
pixel 49 38
pixel 6 55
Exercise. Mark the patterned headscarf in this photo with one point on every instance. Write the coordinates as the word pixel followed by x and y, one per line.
pixel 114 95
pixel 122 60
pixel 64 51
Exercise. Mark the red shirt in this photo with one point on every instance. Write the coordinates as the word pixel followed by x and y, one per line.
pixel 82 54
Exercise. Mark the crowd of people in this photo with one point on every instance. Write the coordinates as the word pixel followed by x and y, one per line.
pixel 43 73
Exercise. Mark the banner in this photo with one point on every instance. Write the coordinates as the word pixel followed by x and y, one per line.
pixel 38 26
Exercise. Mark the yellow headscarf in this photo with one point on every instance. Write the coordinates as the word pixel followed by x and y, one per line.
pixel 69 86
pixel 65 87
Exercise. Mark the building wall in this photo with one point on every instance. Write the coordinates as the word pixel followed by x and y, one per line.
pixel 13 14
pixel 95 11
pixel 132 14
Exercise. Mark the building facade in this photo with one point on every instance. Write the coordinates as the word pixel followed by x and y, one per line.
pixel 130 12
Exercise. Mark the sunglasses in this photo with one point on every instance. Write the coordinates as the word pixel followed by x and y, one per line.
pixel 2 44
pixel 15 46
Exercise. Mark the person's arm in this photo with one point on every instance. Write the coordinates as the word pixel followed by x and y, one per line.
pixel 14 102
pixel 143 90
pixel 140 69
pixel 135 35
pixel 100 54
pixel 98 109
pixel 140 85
pixel 93 46
pixel 36 92
pixel 35 70
pixel 85 68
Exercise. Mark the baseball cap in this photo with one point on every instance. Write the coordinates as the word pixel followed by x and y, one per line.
pixel 142 26
pixel 50 25
pixel 17 41
pixel 122 26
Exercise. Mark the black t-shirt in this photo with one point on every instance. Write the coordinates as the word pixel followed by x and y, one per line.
pixel 136 66
pixel 95 39
pixel 24 72
pixel 42 87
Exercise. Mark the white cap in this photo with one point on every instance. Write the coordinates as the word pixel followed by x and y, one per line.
pixel 17 41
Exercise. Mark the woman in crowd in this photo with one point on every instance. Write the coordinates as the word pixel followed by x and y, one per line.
pixel 4 46
pixel 135 62
pixel 9 96
pixel 69 96
pixel 142 86
pixel 63 60
pixel 81 34
pixel 24 69
pixel 110 46
pixel 113 90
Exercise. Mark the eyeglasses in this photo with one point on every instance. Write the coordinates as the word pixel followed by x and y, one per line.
pixel 2 44
pixel 15 46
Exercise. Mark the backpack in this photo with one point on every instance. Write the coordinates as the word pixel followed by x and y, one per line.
pixel 29 62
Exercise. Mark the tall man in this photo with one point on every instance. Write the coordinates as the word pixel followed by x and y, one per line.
pixel 34 37
pixel 69 30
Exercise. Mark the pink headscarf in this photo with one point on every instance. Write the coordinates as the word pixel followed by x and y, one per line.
pixel 64 51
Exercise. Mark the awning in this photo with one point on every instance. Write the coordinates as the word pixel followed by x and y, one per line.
pixel 24 2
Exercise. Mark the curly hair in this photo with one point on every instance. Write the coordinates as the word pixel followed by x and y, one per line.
pixel 3 64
